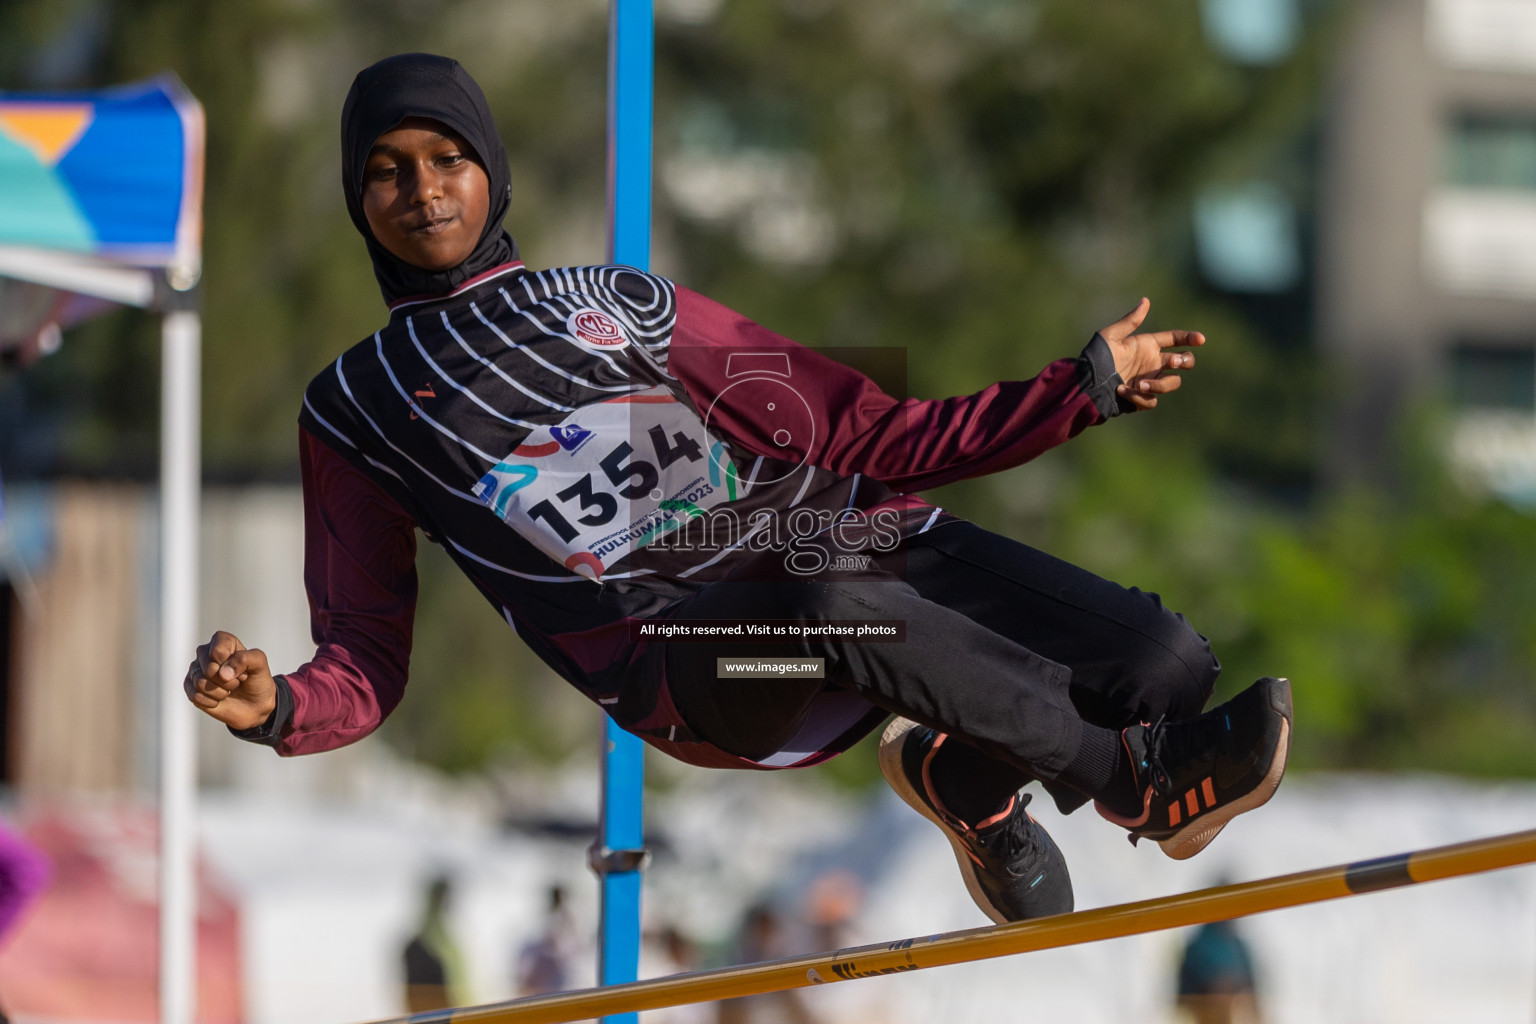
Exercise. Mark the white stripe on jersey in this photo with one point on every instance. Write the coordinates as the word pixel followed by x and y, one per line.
pixel 593 286
pixel 410 327
pixel 378 346
pixel 930 520
pixel 601 299
pixel 366 456
pixel 531 354
pixel 498 371
pixel 746 485
pixel 571 307
pixel 461 549
pixel 348 441
pixel 347 390
pixel 594 283
pixel 657 294
pixel 762 524
pixel 539 277
pixel 659 328
pixel 656 319
pixel 326 423
pixel 810 472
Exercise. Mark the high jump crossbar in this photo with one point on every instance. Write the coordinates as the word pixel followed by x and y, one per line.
pixel 1200 907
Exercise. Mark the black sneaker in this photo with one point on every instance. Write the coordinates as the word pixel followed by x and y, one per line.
pixel 1197 775
pixel 1012 868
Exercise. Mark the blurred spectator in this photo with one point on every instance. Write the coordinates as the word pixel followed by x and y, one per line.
pixel 24 871
pixel 1216 977
pixel 544 965
pixel 433 969
pixel 668 951
pixel 762 938
pixel 830 905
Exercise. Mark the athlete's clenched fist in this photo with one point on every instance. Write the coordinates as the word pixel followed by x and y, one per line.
pixel 231 682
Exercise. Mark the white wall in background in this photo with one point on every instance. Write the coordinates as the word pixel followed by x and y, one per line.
pixel 329 894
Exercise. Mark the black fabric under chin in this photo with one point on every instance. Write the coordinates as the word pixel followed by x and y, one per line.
pixel 972 786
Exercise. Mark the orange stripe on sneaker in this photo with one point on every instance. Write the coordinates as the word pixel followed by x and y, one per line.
pixel 1173 814
pixel 999 816
pixel 1192 803
pixel 1209 791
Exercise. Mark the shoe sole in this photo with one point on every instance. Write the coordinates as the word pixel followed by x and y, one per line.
pixel 1194 837
pixel 891 743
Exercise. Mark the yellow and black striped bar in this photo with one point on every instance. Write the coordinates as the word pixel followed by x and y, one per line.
pixel 905 955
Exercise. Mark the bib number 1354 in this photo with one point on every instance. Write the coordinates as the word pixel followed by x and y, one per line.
pixel 609 479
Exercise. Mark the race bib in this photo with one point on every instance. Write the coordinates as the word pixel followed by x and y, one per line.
pixel 609 479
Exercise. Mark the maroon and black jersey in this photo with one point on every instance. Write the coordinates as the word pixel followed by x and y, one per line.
pixel 593 444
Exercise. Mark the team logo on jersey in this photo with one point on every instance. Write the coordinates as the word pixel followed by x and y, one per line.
pixel 425 392
pixel 596 330
pixel 572 437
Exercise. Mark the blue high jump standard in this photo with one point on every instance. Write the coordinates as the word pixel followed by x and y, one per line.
pixel 618 856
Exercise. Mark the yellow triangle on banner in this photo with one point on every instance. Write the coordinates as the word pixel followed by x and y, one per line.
pixel 47 129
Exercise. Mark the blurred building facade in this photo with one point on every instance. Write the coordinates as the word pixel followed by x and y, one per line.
pixel 1426 248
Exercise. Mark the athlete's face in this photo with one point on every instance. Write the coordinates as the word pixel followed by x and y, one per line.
pixel 425 194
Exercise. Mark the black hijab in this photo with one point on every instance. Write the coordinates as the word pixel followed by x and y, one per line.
pixel 422 85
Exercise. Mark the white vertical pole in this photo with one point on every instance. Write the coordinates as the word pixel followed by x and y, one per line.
pixel 180 455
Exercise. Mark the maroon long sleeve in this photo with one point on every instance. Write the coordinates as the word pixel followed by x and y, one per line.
pixel 910 444
pixel 360 573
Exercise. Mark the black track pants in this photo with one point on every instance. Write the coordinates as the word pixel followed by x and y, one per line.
pixel 1007 649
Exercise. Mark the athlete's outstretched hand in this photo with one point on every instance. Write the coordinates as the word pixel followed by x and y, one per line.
pixel 1144 361
pixel 231 682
